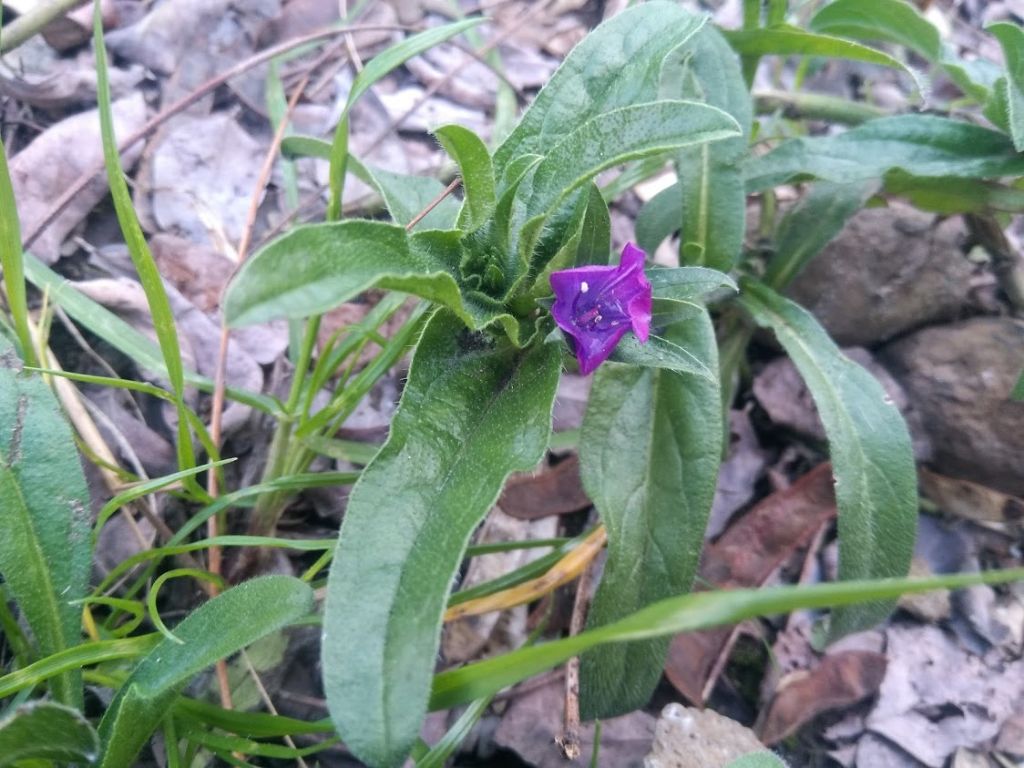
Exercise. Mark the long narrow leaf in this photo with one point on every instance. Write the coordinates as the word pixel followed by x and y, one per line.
pixel 473 411
pixel 689 613
pixel 872 459
pixel 649 456
pixel 45 550
pixel 11 261
pixel 216 629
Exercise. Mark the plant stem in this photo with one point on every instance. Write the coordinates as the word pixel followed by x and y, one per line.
pixel 816 106
pixel 28 24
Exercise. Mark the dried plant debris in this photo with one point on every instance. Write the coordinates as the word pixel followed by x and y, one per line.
pixel 938 697
pixel 56 159
pixel 533 721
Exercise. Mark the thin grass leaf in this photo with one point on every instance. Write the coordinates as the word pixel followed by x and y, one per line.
pixel 688 613
pixel 11 261
pixel 142 259
pixel 379 66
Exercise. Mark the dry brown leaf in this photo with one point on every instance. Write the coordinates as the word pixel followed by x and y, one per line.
pixel 972 501
pixel 839 680
pixel 551 490
pixel 55 160
pixel 937 697
pixel 745 556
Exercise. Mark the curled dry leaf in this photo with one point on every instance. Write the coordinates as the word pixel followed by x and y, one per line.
pixel 551 490
pixel 55 160
pixel 745 556
pixel 839 680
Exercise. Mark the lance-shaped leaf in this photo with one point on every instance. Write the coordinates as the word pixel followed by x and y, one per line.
pixel 784 40
pixel 220 627
pixel 893 21
pixel 474 161
pixel 616 65
pixel 714 202
pixel 45 551
pixel 872 459
pixel 317 267
pixel 42 730
pixel 922 145
pixel 1011 38
pixel 811 224
pixel 472 412
pixel 649 455
pixel 607 140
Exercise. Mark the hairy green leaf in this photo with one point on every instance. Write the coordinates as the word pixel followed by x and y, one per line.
pixel 714 203
pixel 686 283
pixel 811 224
pixel 610 139
pixel 474 161
pixel 45 552
pixel 696 611
pixel 317 267
pixel 471 413
pixel 893 21
pixel 216 629
pixel 965 196
pixel 659 218
pixel 662 352
pixel 922 145
pixel 1018 390
pixel 784 40
pixel 649 455
pixel 616 65
pixel 872 460
pixel 1011 38
pixel 42 730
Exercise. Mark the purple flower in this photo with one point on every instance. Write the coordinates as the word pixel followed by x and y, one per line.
pixel 595 306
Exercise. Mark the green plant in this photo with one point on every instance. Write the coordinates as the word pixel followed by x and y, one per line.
pixel 653 86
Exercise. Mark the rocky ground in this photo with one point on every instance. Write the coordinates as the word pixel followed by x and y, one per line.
pixel 915 297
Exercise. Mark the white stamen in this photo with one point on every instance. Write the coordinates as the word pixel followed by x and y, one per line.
pixel 584 287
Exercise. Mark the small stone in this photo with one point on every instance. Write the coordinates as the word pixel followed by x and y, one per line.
pixel 686 737
pixel 889 271
pixel 959 378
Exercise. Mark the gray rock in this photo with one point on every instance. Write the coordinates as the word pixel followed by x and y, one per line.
pixel 959 378
pixel 891 270
pixel 687 737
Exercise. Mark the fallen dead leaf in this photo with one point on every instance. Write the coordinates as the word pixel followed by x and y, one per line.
pixel 466 638
pixel 969 500
pixel 551 490
pixel 839 680
pixel 204 167
pixel 745 556
pixel 931 712
pixel 55 160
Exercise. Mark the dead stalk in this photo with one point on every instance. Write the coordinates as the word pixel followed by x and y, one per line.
pixel 569 741
pixel 184 103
